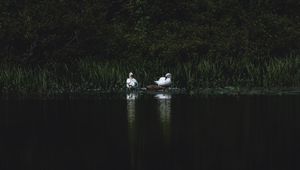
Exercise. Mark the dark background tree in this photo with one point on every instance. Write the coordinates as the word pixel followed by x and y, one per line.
pixel 39 31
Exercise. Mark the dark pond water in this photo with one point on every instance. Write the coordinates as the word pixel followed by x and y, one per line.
pixel 151 132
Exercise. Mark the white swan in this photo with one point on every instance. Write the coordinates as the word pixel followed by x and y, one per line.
pixel 131 82
pixel 164 81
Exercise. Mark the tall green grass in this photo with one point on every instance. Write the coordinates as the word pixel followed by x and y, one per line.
pixel 85 74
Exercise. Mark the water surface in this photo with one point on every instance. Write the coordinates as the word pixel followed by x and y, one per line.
pixel 151 132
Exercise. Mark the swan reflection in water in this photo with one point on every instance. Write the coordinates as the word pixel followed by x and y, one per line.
pixel 135 137
pixel 131 116
pixel 131 97
pixel 164 108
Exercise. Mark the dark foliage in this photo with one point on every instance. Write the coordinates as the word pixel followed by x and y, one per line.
pixel 39 31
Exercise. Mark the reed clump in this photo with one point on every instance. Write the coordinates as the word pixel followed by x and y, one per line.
pixel 85 74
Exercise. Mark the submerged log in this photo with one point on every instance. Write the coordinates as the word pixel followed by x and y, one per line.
pixel 153 87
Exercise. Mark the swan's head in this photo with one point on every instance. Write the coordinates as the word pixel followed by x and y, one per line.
pixel 168 75
pixel 130 74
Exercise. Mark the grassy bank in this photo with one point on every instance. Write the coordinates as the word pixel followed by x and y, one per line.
pixel 83 75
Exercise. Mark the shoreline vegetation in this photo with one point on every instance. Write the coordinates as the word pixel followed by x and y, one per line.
pixel 196 77
pixel 66 47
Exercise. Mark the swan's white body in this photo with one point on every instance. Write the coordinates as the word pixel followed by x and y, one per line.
pixel 164 81
pixel 131 82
